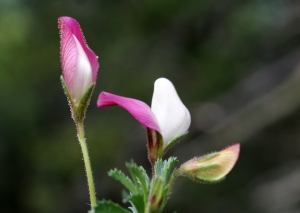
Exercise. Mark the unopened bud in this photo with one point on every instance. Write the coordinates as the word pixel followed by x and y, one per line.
pixel 211 167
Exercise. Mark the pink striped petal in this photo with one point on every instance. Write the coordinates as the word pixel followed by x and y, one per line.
pixel 79 63
pixel 138 109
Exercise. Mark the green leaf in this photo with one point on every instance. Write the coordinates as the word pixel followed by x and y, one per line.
pixel 136 201
pixel 105 206
pixel 163 167
pixel 120 176
pixel 141 178
pixel 133 209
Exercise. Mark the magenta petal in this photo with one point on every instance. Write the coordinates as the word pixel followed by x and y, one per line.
pixel 138 109
pixel 69 27
pixel 67 51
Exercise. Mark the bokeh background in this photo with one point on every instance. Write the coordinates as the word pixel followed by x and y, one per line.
pixel 235 64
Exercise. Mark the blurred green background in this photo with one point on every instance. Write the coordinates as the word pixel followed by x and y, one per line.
pixel 235 65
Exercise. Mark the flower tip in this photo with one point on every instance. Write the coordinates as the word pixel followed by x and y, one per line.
pixel 163 81
pixel 225 161
pixel 62 18
pixel 65 23
pixel 233 151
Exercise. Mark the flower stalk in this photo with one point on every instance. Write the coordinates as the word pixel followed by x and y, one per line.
pixel 87 163
pixel 174 176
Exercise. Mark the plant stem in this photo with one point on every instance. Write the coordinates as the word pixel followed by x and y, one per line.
pixel 172 180
pixel 87 163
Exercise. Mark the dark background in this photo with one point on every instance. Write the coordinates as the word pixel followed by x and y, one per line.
pixel 235 65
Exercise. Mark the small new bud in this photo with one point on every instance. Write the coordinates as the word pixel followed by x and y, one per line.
pixel 156 194
pixel 212 167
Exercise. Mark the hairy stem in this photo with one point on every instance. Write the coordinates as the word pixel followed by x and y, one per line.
pixel 172 180
pixel 87 163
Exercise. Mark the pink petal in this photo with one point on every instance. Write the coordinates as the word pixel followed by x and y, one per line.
pixel 69 27
pixel 138 109
pixel 229 156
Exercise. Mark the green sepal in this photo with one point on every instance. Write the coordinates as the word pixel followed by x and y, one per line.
pixel 78 110
pixel 84 102
pixel 173 142
pixel 106 206
pixel 136 201
pixel 201 179
pixel 140 178
pixel 155 145
pixel 65 88
pixel 127 182
pixel 208 157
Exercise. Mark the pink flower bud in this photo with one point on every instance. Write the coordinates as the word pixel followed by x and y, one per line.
pixel 79 63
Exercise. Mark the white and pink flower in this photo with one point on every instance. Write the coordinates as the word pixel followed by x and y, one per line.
pixel 167 114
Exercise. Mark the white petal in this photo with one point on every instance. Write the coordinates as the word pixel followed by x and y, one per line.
pixel 82 78
pixel 173 117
